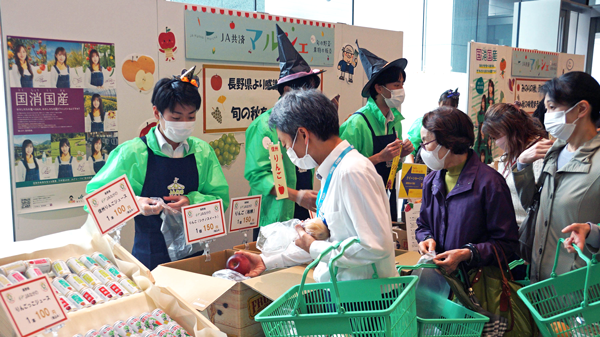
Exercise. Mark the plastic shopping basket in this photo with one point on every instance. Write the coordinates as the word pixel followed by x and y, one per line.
pixel 375 307
pixel 568 304
pixel 453 320
pixel 526 281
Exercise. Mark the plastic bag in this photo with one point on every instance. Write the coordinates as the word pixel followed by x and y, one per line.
pixel 276 237
pixel 432 290
pixel 229 274
pixel 173 231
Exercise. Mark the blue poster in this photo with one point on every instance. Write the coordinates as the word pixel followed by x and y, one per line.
pixel 226 35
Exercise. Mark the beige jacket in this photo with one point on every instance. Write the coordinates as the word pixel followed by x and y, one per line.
pixel 569 195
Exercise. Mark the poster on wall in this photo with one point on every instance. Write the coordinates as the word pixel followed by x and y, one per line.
pixel 233 96
pixel 229 35
pixel 534 63
pixel 527 92
pixel 64 118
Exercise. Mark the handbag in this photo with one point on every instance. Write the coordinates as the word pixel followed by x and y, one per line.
pixel 490 292
pixel 527 228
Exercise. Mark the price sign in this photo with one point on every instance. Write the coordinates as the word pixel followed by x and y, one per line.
pixel 278 171
pixel 113 204
pixel 32 306
pixel 411 181
pixel 245 213
pixel 203 221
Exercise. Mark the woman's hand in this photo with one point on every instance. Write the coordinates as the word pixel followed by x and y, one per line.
pixel 427 246
pixel 257 265
pixel 178 201
pixel 449 260
pixel 537 151
pixel 579 232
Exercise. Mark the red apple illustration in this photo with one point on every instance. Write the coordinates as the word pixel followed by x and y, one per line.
pixel 281 189
pixel 43 66
pixel 109 68
pixel 239 263
pixel 167 39
pixel 216 82
pixel 232 25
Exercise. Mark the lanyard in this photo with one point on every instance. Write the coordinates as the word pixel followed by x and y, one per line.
pixel 323 192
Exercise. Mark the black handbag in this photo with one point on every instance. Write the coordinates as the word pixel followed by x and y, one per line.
pixel 527 228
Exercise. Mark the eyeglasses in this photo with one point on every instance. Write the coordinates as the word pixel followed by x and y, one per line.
pixel 428 143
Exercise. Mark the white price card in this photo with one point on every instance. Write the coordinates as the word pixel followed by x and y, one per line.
pixel 245 213
pixel 32 306
pixel 203 221
pixel 113 204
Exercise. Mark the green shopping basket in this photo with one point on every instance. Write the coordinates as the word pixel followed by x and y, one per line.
pixel 375 307
pixel 526 281
pixel 453 320
pixel 567 305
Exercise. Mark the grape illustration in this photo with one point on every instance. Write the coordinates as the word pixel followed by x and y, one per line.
pixel 216 113
pixel 226 148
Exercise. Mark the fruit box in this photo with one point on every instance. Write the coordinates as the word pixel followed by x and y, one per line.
pixel 251 248
pixel 230 305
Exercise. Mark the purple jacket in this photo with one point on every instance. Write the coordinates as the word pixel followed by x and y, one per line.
pixel 478 210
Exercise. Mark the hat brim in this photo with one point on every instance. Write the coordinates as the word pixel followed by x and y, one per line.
pixel 295 76
pixel 400 63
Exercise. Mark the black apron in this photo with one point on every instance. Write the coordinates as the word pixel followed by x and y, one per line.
pixel 63 80
pixel 303 182
pixel 149 245
pixel 379 143
pixel 98 164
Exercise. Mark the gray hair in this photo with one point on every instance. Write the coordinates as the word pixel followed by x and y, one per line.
pixel 308 108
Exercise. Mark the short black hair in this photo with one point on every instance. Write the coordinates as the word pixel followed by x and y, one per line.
pixel 572 88
pixel 452 128
pixel 308 108
pixel 171 91
pixel 390 75
pixel 452 100
pixel 306 82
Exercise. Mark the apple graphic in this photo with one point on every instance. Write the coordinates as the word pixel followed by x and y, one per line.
pixel 281 189
pixel 239 263
pixel 143 80
pixel 43 66
pixel 166 39
pixel 232 25
pixel 216 82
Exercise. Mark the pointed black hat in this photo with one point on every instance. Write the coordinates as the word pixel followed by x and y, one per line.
pixel 291 64
pixel 374 66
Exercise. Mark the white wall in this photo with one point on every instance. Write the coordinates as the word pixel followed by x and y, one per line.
pixel 539 24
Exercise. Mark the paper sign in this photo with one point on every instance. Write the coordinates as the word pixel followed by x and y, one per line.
pixel 411 182
pixel 412 211
pixel 245 213
pixel 113 204
pixel 32 306
pixel 390 182
pixel 203 221
pixel 278 171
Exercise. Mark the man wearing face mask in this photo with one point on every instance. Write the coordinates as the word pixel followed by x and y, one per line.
pixel 373 130
pixel 295 73
pixel 167 163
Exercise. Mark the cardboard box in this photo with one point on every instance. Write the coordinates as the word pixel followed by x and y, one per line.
pixel 400 238
pixel 230 305
pixel 124 255
pixel 251 248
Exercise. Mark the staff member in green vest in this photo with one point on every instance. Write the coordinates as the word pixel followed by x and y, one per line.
pixel 295 73
pixel 374 128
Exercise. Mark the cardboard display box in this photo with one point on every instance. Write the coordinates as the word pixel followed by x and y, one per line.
pixel 251 248
pixel 230 305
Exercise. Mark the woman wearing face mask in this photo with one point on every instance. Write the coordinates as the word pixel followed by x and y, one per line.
pixel 467 209
pixel 374 129
pixel 514 131
pixel 167 163
pixel 571 174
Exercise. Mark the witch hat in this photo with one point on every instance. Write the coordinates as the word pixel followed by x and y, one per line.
pixel 291 65
pixel 375 66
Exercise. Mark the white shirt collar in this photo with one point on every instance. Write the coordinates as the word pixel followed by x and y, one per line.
pixel 323 170
pixel 167 149
pixel 390 117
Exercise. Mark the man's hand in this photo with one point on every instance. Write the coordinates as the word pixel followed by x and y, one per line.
pixel 407 148
pixel 427 246
pixel 305 239
pixel 148 206
pixel 449 260
pixel 537 151
pixel 579 232
pixel 257 266
pixel 178 201
pixel 390 151
pixel 307 199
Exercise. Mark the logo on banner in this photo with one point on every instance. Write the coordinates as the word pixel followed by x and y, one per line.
pixel 176 189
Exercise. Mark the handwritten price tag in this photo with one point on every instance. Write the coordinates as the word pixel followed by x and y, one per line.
pixel 32 306
pixel 113 204
pixel 245 213
pixel 278 171
pixel 203 221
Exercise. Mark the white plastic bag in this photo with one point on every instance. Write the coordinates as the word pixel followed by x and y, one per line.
pixel 173 231
pixel 229 274
pixel 276 237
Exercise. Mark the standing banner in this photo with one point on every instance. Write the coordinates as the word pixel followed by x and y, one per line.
pixel 230 35
pixel 64 113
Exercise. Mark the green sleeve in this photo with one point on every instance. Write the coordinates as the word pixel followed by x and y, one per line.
pixel 211 180
pixel 357 133
pixel 258 166
pixel 129 158
pixel 414 134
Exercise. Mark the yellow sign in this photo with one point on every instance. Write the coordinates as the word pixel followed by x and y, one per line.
pixel 411 181
pixel 278 171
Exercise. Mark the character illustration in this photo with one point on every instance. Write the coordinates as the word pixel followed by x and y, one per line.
pixel 348 62
pixel 166 41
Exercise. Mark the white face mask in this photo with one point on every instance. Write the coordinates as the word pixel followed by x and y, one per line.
pixel 396 99
pixel 307 162
pixel 178 131
pixel 501 143
pixel 432 158
pixel 556 124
